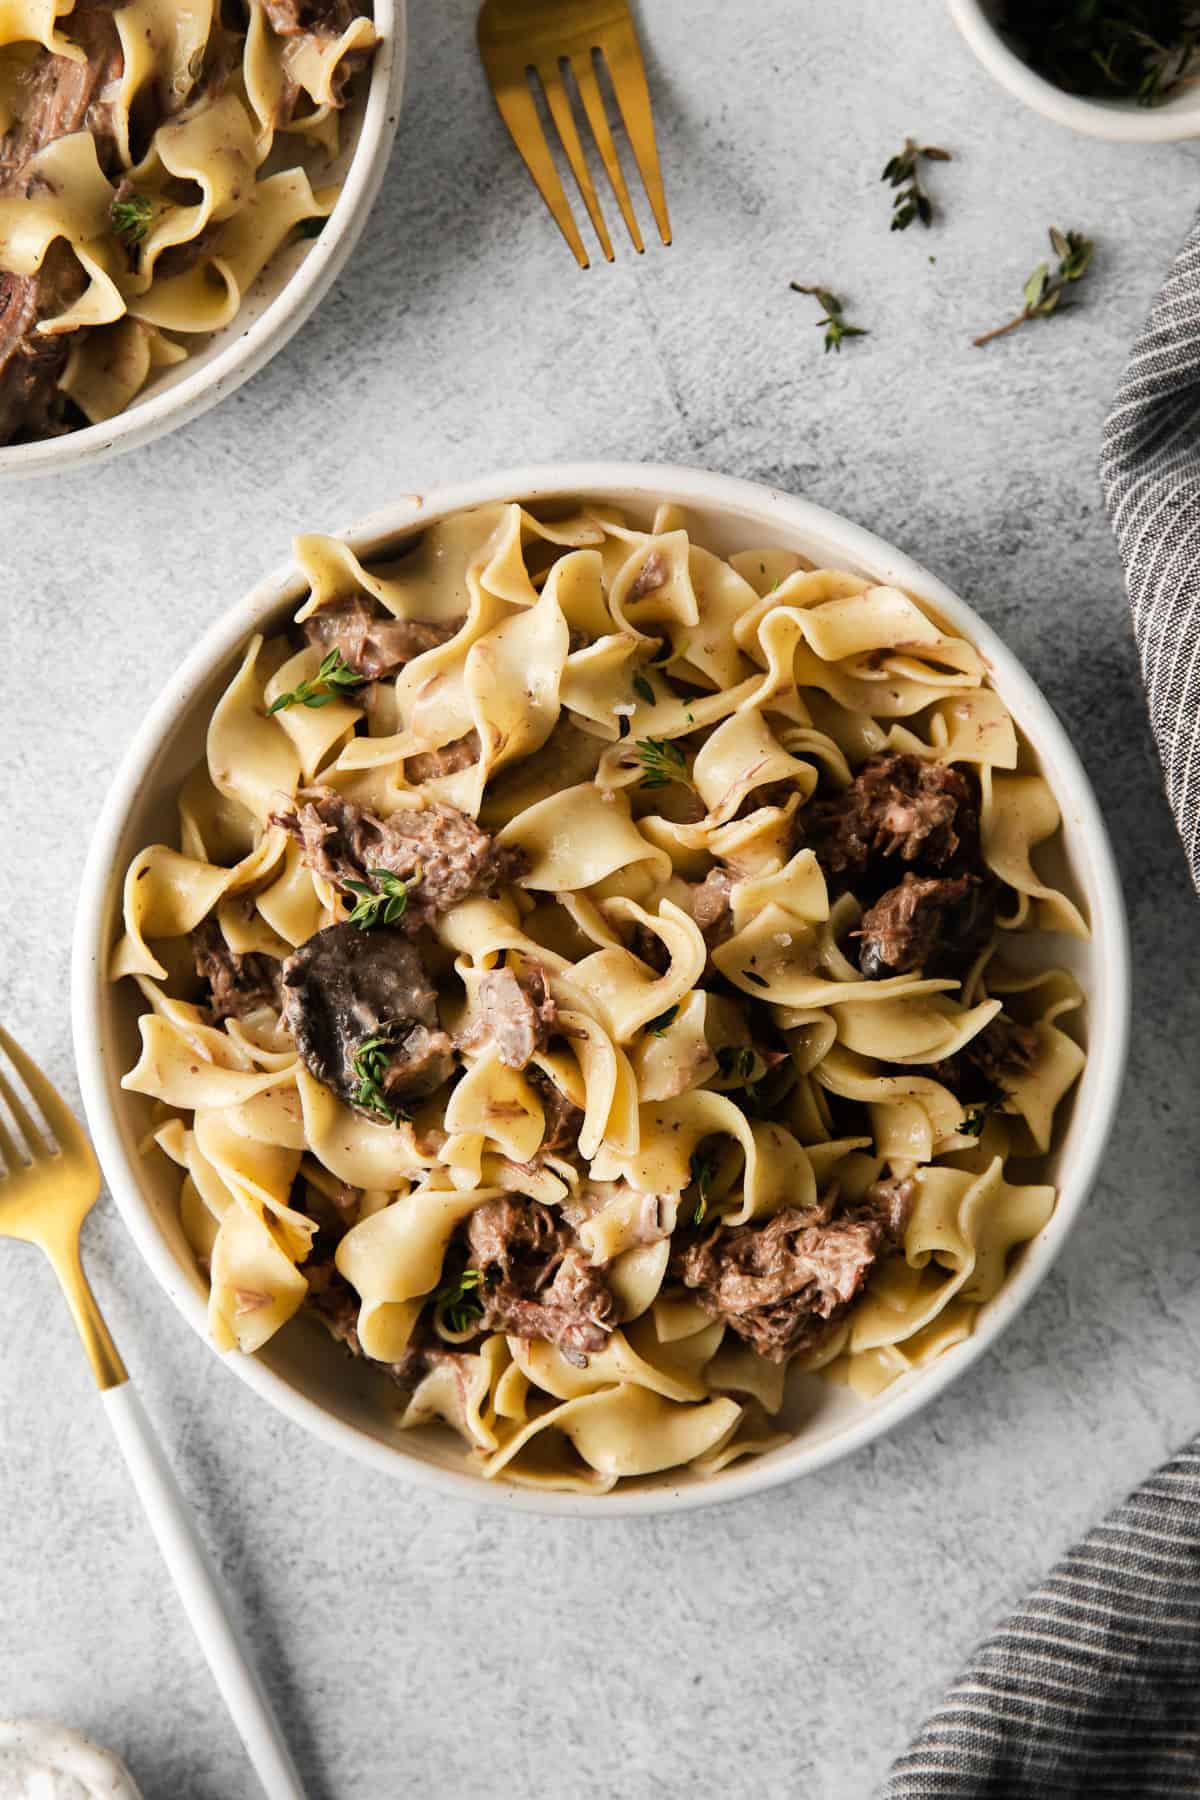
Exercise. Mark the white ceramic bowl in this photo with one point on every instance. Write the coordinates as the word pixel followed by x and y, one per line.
pixel 302 1371
pixel 1124 121
pixel 293 283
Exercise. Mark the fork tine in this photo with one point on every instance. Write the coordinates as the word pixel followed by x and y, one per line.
pixel 593 106
pixel 68 1133
pixel 9 1154
pixel 564 121
pixel 627 72
pixel 520 115
pixel 35 1144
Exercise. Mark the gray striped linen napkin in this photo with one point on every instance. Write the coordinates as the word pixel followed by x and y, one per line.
pixel 1093 1685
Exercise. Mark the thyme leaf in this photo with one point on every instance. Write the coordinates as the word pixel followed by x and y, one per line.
pixel 1043 292
pixel 643 690
pixel 370 1064
pixel 703 1171
pixel 458 1301
pixel 659 1025
pixel 1142 50
pixel 384 904
pixel 333 677
pixel 836 328
pixel 663 761
pixel 131 217
pixel 910 200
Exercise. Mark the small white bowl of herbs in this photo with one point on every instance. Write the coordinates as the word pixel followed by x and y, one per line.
pixel 1128 70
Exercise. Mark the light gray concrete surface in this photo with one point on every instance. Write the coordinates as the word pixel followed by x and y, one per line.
pixel 785 1646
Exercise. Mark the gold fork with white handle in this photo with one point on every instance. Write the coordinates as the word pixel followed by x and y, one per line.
pixel 554 38
pixel 49 1182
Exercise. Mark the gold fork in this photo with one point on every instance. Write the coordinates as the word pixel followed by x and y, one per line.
pixel 49 1182
pixel 548 38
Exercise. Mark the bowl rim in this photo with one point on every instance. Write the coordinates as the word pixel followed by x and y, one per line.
pixel 651 482
pixel 1119 120
pixel 250 350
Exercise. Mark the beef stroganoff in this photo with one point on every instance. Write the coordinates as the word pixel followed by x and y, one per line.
pixel 603 982
pixel 152 163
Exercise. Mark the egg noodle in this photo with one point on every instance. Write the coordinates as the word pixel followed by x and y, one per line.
pixel 628 719
pixel 150 171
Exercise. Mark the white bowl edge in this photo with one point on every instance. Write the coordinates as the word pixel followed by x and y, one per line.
pixel 1120 121
pixel 186 395
pixel 805 525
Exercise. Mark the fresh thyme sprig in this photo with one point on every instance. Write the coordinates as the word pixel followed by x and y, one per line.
pixel 382 905
pixel 1045 288
pixel 371 1061
pixel 1141 50
pixel 703 1171
pixel 333 677
pixel 458 1301
pixel 131 217
pixel 911 201
pixel 663 762
pixel 836 328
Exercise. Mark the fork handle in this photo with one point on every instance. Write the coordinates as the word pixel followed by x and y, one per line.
pixel 203 1601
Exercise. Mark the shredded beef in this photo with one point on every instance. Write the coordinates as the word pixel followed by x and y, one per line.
pixel 59 95
pixel 427 765
pixel 926 922
pixel 519 1014
pixel 333 1298
pixel 651 575
pixel 346 986
pixel 341 841
pixel 563 1118
pixel 981 1068
pixel 369 639
pixel 238 983
pixel 711 907
pixel 537 1281
pixel 782 1283
pixel 897 807
pixel 890 1204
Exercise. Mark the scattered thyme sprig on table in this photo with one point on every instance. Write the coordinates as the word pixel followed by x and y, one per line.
pixel 371 1060
pixel 458 1301
pixel 131 217
pixel 911 201
pixel 663 762
pixel 332 679
pixel 836 328
pixel 1045 288
pixel 382 905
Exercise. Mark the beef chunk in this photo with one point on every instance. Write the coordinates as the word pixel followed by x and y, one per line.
pixel 342 842
pixel 981 1068
pixel 563 1118
pixel 369 639
pixel 650 577
pixel 897 808
pixel 334 1300
pixel 346 986
pixel 237 983
pixel 782 1283
pixel 711 906
pixel 58 96
pixel 537 1281
pixel 889 1204
pixel 518 1013
pixel 427 765
pixel 927 922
